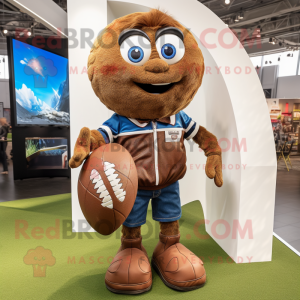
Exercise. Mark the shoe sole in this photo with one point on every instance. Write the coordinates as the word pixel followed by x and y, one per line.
pixel 172 286
pixel 128 292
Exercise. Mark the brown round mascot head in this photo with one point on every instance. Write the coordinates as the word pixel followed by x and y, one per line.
pixel 146 66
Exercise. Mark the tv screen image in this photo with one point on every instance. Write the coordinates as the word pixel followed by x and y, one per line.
pixel 41 86
pixel 46 153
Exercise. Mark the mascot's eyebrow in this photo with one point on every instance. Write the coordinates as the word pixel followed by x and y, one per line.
pixel 169 30
pixel 128 32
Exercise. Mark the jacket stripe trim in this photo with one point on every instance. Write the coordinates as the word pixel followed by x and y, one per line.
pixel 146 131
pixel 137 123
pixel 109 132
pixel 190 126
pixel 194 132
pixel 173 120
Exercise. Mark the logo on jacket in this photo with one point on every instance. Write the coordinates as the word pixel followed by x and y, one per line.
pixel 174 134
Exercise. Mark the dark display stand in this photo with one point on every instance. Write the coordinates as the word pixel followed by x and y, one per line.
pixel 19 133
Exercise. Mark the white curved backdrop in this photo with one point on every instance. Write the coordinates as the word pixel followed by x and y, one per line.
pixel 230 104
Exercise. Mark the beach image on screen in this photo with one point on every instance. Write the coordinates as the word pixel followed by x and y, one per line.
pixel 41 86
pixel 46 153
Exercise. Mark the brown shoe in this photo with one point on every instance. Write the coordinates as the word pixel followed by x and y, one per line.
pixel 177 266
pixel 130 270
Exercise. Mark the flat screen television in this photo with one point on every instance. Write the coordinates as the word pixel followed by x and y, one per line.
pixel 41 81
pixel 46 153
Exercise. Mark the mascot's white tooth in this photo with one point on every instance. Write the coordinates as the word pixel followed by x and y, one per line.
pixel 160 83
pixel 104 193
pixel 108 165
pixel 106 199
pixel 121 195
pixel 122 198
pixel 118 192
pixel 101 189
pixel 96 179
pixel 116 187
pixel 98 184
pixel 94 174
pixel 115 182
pixel 108 204
pixel 110 171
pixel 112 177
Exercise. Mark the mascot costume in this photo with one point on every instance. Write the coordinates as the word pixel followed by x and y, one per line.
pixel 147 67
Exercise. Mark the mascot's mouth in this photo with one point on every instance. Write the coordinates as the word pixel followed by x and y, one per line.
pixel 158 88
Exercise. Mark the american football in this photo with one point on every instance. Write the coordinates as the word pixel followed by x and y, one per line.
pixel 107 187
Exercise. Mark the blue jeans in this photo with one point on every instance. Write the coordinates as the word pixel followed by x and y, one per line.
pixel 166 206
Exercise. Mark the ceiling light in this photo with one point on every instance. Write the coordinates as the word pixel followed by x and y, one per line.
pixel 236 19
pixel 5 31
pixel 272 41
pixel 258 31
pixel 29 33
pixel 241 14
pixel 227 1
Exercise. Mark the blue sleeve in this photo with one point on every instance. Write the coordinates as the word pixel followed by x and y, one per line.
pixel 110 128
pixel 190 127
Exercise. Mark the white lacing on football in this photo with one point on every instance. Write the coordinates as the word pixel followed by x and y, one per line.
pixel 113 179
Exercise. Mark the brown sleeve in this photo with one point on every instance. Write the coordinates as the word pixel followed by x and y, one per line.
pixel 207 142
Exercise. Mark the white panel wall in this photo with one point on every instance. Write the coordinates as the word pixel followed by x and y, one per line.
pixel 288 87
pixel 235 109
pixel 85 108
pixel 4 93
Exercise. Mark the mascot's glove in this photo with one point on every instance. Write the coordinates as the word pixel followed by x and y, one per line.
pixel 209 144
pixel 88 140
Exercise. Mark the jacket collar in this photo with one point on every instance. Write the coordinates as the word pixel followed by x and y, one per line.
pixel 143 123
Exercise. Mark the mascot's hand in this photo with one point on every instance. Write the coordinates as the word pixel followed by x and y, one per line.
pixel 213 169
pixel 88 140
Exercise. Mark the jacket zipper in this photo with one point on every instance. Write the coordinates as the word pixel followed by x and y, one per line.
pixel 155 152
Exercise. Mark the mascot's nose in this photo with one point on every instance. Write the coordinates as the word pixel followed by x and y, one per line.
pixel 156 65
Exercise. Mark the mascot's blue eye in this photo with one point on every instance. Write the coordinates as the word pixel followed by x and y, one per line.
pixel 168 51
pixel 135 54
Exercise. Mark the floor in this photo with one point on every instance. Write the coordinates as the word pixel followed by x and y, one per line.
pixel 30 188
pixel 287 204
pixel 287 207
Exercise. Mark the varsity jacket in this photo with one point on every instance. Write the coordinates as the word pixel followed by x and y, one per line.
pixel 156 146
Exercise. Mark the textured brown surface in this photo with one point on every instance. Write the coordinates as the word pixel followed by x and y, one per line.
pixel 171 159
pixel 113 79
pixel 169 228
pixel 131 232
pixel 103 219
pixel 179 267
pixel 130 269
pixel 209 144
pixel 87 141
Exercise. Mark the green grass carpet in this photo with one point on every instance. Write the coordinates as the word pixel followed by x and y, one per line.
pixel 83 278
